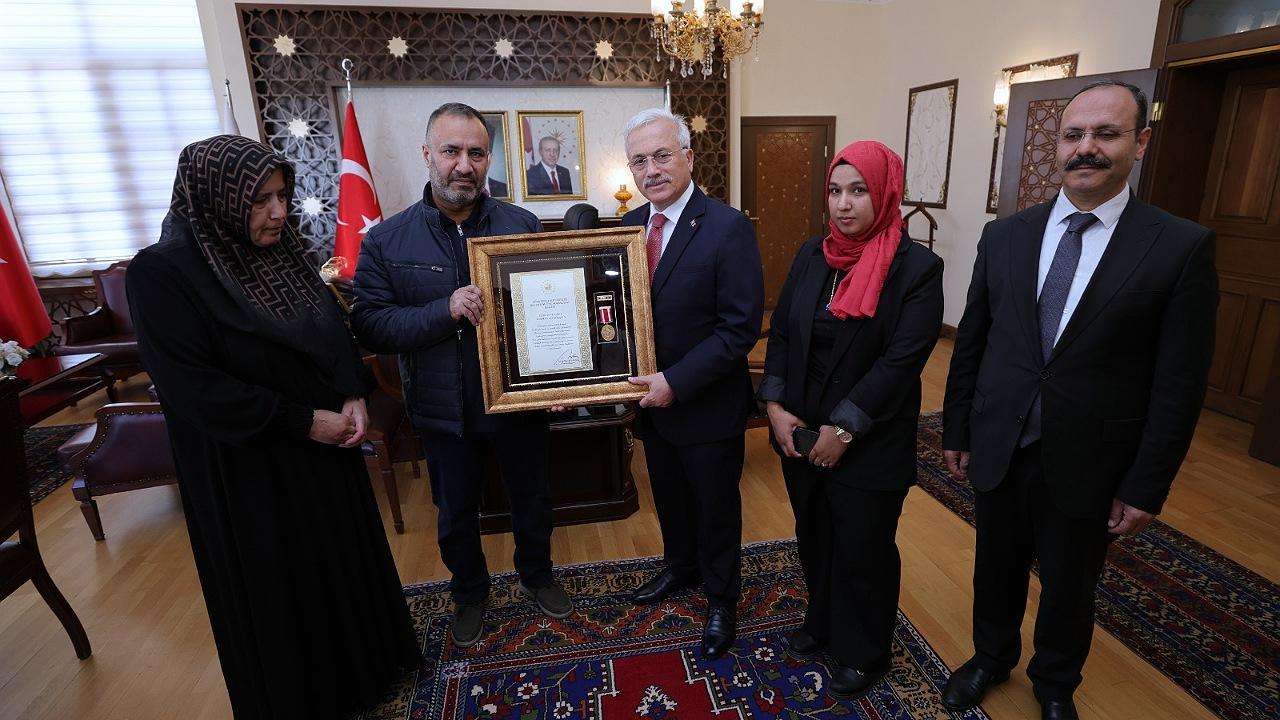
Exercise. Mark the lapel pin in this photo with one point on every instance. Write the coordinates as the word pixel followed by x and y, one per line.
pixel 693 224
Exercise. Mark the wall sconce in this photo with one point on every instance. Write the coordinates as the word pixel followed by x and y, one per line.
pixel 1000 98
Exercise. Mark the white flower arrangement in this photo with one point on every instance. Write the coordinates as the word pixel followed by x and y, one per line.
pixel 11 356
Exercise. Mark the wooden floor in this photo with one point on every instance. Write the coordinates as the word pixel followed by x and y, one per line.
pixel 139 598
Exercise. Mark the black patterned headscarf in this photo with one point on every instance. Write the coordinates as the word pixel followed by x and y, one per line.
pixel 277 293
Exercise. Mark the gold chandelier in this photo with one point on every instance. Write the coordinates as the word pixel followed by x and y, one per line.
pixel 692 36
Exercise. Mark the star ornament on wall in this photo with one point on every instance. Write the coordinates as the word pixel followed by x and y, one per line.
pixel 398 47
pixel 698 124
pixel 504 49
pixel 285 45
pixel 299 128
pixel 604 49
pixel 311 205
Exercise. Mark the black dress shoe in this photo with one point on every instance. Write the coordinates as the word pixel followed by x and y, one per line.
pixel 718 635
pixel 967 685
pixel 1058 710
pixel 803 646
pixel 849 684
pixel 660 588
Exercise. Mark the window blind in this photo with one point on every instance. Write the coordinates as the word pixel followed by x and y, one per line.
pixel 96 99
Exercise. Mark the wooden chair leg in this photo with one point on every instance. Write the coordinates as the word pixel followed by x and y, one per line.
pixel 62 609
pixel 89 507
pixel 393 491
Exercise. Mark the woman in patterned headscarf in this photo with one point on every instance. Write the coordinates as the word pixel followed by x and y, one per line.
pixel 857 318
pixel 263 392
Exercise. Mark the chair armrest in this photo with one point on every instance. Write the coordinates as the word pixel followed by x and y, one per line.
pixel 84 328
pixel 131 444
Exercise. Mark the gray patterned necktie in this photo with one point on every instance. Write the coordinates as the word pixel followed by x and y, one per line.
pixel 1053 300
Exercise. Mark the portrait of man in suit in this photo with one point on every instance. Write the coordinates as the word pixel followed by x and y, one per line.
pixel 707 292
pixel 1077 377
pixel 548 177
pixel 496 183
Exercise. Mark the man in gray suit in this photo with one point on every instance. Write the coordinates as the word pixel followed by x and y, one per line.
pixel 1077 378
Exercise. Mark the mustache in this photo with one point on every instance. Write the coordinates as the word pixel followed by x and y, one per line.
pixel 650 182
pixel 1093 161
pixel 464 176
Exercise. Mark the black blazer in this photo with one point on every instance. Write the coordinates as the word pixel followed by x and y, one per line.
pixel 538 182
pixel 873 383
pixel 1123 388
pixel 708 304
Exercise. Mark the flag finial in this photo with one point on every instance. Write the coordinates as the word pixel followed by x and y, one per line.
pixel 347 67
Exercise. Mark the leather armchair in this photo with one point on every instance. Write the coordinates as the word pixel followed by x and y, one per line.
pixel 582 216
pixel 107 330
pixel 390 436
pixel 20 561
pixel 127 449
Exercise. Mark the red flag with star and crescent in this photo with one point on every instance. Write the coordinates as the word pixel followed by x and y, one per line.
pixel 358 208
pixel 22 314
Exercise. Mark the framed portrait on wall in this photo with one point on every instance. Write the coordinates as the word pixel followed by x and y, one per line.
pixel 931 120
pixel 499 183
pixel 553 152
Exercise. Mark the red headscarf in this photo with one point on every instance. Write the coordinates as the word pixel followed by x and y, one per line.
pixel 869 254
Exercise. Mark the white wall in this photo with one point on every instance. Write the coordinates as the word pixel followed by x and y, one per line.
pixel 855 61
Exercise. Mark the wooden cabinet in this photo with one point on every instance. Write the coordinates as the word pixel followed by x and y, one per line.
pixel 589 467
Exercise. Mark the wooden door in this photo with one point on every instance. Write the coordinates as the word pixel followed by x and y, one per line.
pixel 784 175
pixel 1242 204
pixel 1028 175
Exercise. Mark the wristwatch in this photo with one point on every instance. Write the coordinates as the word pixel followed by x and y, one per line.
pixel 843 435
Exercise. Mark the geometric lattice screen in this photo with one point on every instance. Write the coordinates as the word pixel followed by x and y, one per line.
pixel 295 54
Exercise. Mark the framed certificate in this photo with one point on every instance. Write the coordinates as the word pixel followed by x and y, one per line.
pixel 567 317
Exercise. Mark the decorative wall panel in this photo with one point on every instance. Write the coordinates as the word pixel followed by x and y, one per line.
pixel 1040 179
pixel 295 53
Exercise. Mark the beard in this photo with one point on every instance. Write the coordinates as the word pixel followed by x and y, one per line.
pixel 440 185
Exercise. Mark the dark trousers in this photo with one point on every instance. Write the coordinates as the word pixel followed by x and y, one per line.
pixel 455 465
pixel 846 538
pixel 699 504
pixel 1019 524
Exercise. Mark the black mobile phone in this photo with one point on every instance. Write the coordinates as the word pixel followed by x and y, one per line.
pixel 804 439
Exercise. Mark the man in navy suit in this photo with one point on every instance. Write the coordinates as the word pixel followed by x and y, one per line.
pixel 708 301
pixel 1077 378
pixel 539 178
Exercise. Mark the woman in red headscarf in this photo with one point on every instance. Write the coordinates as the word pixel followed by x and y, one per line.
pixel 856 320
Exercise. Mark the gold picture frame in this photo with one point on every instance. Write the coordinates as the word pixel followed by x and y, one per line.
pixel 567 317
pixel 499 182
pixel 564 130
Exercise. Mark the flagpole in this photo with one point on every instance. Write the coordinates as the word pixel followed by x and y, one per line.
pixel 229 124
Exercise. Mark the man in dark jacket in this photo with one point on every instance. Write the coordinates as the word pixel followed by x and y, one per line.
pixel 414 297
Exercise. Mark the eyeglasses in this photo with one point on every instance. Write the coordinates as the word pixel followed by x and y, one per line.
pixel 659 158
pixel 1075 137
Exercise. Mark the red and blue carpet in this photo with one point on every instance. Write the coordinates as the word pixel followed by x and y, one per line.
pixel 612 659
pixel 1207 622
pixel 43 473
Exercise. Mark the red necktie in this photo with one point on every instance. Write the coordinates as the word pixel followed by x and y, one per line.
pixel 653 243
pixel 555 185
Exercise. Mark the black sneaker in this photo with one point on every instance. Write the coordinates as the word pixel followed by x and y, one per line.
pixel 468 620
pixel 552 599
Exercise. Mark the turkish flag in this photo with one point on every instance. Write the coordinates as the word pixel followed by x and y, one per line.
pixel 22 314
pixel 358 208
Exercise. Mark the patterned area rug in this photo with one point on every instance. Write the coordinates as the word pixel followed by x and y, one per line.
pixel 1209 623
pixel 612 659
pixel 43 474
